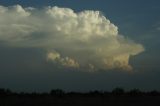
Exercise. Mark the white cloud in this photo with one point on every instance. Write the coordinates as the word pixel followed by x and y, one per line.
pixel 86 40
pixel 67 61
pixel 53 56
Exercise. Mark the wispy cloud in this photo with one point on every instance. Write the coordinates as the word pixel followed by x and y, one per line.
pixel 86 40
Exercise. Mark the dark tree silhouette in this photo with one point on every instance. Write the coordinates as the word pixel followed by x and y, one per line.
pixel 118 91
pixel 57 92
pixel 58 97
pixel 154 93
pixel 5 92
pixel 134 92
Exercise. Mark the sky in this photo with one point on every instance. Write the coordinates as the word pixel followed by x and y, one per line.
pixel 79 45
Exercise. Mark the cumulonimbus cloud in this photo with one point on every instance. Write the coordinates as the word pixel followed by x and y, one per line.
pixel 86 40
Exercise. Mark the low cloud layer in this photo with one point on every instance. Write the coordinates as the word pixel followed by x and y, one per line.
pixel 85 40
pixel 67 62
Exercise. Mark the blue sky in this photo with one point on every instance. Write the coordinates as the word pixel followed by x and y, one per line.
pixel 138 20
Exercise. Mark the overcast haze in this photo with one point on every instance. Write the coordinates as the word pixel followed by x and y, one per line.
pixel 79 45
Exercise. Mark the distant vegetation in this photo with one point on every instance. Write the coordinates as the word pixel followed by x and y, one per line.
pixel 118 96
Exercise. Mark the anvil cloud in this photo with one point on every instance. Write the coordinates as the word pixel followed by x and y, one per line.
pixel 84 40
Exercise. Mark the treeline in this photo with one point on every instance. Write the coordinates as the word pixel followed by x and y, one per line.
pixel 61 93
pixel 58 97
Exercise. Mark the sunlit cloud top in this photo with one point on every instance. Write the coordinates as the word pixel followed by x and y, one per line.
pixel 85 40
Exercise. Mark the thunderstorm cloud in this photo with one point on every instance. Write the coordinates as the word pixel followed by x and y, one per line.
pixel 83 40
